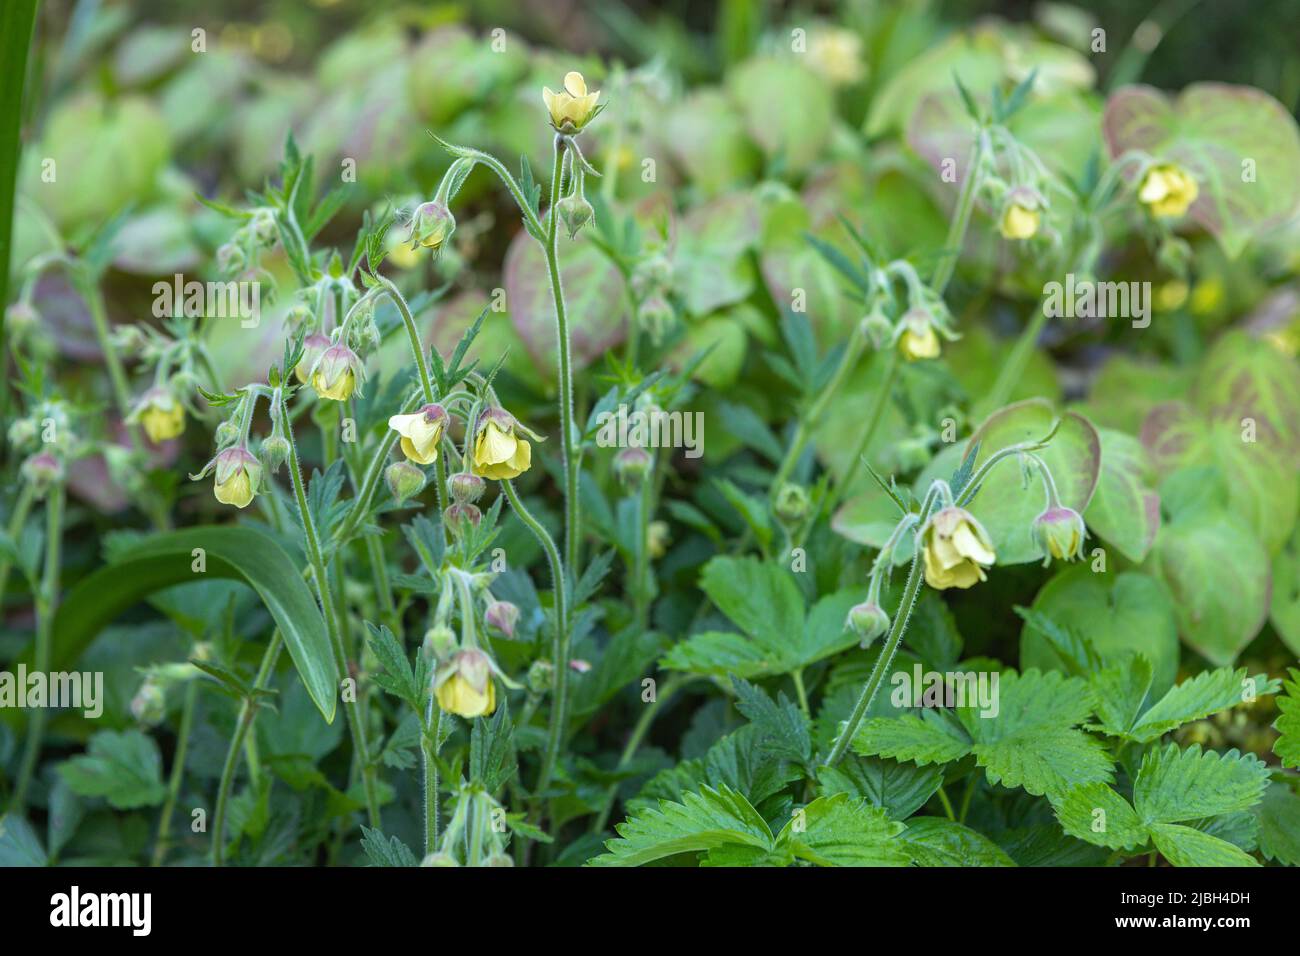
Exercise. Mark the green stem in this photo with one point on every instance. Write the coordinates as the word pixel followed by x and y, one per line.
pixel 319 572
pixel 801 692
pixel 874 417
pixel 947 805
pixel 17 521
pixel 571 462
pixel 46 603
pixel 961 216
pixel 428 751
pixel 560 647
pixel 178 772
pixel 247 711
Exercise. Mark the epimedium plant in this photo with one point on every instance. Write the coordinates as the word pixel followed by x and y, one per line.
pixel 481 663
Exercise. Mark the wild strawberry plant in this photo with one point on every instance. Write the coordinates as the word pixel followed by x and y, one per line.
pixel 808 467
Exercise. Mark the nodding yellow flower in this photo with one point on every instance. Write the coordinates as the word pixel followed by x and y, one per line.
pixel 421 432
pixel 918 339
pixel 463 685
pixel 162 416
pixel 1021 215
pixel 313 347
pixel 432 225
pixel 498 452
pixel 237 475
pixel 573 107
pixel 1060 532
pixel 1167 190
pixel 956 549
pixel 336 373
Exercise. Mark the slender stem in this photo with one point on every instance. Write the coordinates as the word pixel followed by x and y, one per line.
pixel 370 482
pixel 882 662
pixel 17 521
pixel 560 647
pixel 247 712
pixel 809 422
pixel 639 731
pixel 640 561
pixel 801 692
pixel 428 751
pixel 1014 367
pixel 571 462
pixel 356 722
pixel 46 603
pixel 874 417
pixel 178 772
pixel 961 216
pixel 413 334
pixel 947 805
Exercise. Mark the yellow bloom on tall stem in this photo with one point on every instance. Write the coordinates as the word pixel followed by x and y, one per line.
pixel 161 415
pixel 1167 190
pixel 313 347
pixel 499 452
pixel 336 373
pixel 463 685
pixel 421 432
pixel 237 475
pixel 956 549
pixel 918 339
pixel 573 107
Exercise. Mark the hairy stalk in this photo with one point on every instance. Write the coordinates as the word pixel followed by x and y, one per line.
pixel 961 215
pixel 571 453
pixel 46 603
pixel 874 417
pixel 247 712
pixel 178 772
pixel 17 521
pixel 560 646
pixel 428 754
pixel 319 572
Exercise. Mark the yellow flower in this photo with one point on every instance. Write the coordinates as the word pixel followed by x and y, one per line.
pixel 498 452
pixel 313 347
pixel 657 539
pixel 162 416
pixel 237 475
pixel 464 687
pixel 837 55
pixel 573 107
pixel 421 433
pixel 1060 532
pixel 336 373
pixel 1019 221
pixel 918 340
pixel 1167 190
pixel 956 549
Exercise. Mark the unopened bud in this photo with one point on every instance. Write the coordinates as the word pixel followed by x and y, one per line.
pixel 275 452
pixel 791 502
pixel 502 616
pixel 439 642
pixel 461 517
pixel 149 705
pixel 1059 532
pixel 869 621
pixel 575 212
pixel 439 859
pixel 404 479
pixel 540 676
pixel 465 487
pixel 42 470
pixel 631 465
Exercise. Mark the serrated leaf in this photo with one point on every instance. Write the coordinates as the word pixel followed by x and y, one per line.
pixel 1209 692
pixel 781 726
pixel 1279 824
pixel 900 789
pixel 928 739
pixel 386 850
pixel 1097 814
pixel 841 831
pixel 1287 745
pixel 123 767
pixel 1174 786
pixel 1187 846
pixel 934 841
pixel 702 821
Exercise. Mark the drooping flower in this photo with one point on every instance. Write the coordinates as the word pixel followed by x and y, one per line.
pixel 1021 215
pixel 499 452
pixel 918 338
pixel 1167 190
pixel 573 107
pixel 432 225
pixel 160 413
pixel 502 616
pixel 421 432
pixel 463 684
pixel 238 473
pixel 313 347
pixel 1060 531
pixel 956 549
pixel 337 373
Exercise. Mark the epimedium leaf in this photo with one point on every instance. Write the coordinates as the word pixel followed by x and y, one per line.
pixel 1125 510
pixel 234 552
pixel 123 767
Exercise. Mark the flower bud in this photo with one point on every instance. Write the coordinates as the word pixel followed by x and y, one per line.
pixel 337 373
pixel 21 317
pixel 313 347
pixel 274 452
pixel 149 705
pixel 439 859
pixel 917 338
pixel 461 517
pixel 575 212
pixel 263 226
pixel 1021 214
pixel 652 276
pixel 791 503
pixel 22 432
pixel 404 479
pixel 226 432
pixel 439 643
pixel 631 465
pixel 655 316
pixel 42 470
pixel 432 225
pixel 869 621
pixel 465 487
pixel 1059 532
pixel 540 675
pixel 238 474
pixel 502 616
pixel 498 859
pixel 877 329
pixel 231 259
pixel 161 415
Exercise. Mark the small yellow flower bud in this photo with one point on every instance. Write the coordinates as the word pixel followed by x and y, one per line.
pixel 956 549
pixel 237 475
pixel 432 225
pixel 868 620
pixel 918 339
pixel 657 538
pixel 1167 190
pixel 1021 215
pixel 337 373
pixel 162 416
pixel 1060 532
pixel 463 685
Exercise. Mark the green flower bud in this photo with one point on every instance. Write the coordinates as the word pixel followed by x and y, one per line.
pixel 869 621
pixel 149 706
pixel 655 316
pixel 439 643
pixel 540 676
pixel 231 259
pixel 652 276
pixel 791 503
pixel 439 859
pixel 461 517
pixel 41 471
pixel 502 616
pixel 432 225
pixel 465 487
pixel 274 452
pixel 631 465
pixel 404 479
pixel 1060 532
pixel 575 212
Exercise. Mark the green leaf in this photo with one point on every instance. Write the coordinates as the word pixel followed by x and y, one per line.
pixel 1284 605
pixel 1120 692
pixel 934 841
pixel 385 850
pixel 1279 824
pixel 781 726
pixel 703 821
pixel 1097 814
pixel 1187 846
pixel 19 844
pixel 397 677
pixel 16 21
pixel 1207 693
pixel 900 789
pixel 929 739
pixel 124 767
pixel 1287 745
pixel 1174 786
pixel 235 553
pixel 492 750
pixel 1005 507
pixel 1125 510
pixel 841 831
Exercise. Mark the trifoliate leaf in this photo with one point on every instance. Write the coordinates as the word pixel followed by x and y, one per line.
pixel 124 767
pixel 934 841
pixel 703 821
pixel 1287 745
pixel 841 831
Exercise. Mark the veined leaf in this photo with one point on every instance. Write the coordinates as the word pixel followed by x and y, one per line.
pixel 1287 746
pixel 703 821
pixel 1187 846
pixel 123 767
pixel 934 841
pixel 841 831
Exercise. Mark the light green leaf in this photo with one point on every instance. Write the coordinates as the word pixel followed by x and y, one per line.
pixel 124 767
pixel 1120 692
pixel 1207 693
pixel 934 841
pixel 1187 846
pixel 1279 824
pixel 1045 761
pixel 900 789
pixel 1284 606
pixel 1174 786
pixel 1287 745
pixel 1125 510
pixel 840 831
pixel 19 845
pixel 1097 814
pixel 703 821
pixel 923 740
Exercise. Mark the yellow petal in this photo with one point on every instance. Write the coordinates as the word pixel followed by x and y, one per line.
pixel 494 445
pixel 968 545
pixel 574 84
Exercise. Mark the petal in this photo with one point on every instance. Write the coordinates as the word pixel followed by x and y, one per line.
pixel 523 457
pixel 402 423
pixel 420 457
pixel 494 445
pixel 574 84
pixel 968 545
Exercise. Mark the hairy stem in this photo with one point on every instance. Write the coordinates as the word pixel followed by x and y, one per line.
pixel 17 521
pixel 160 844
